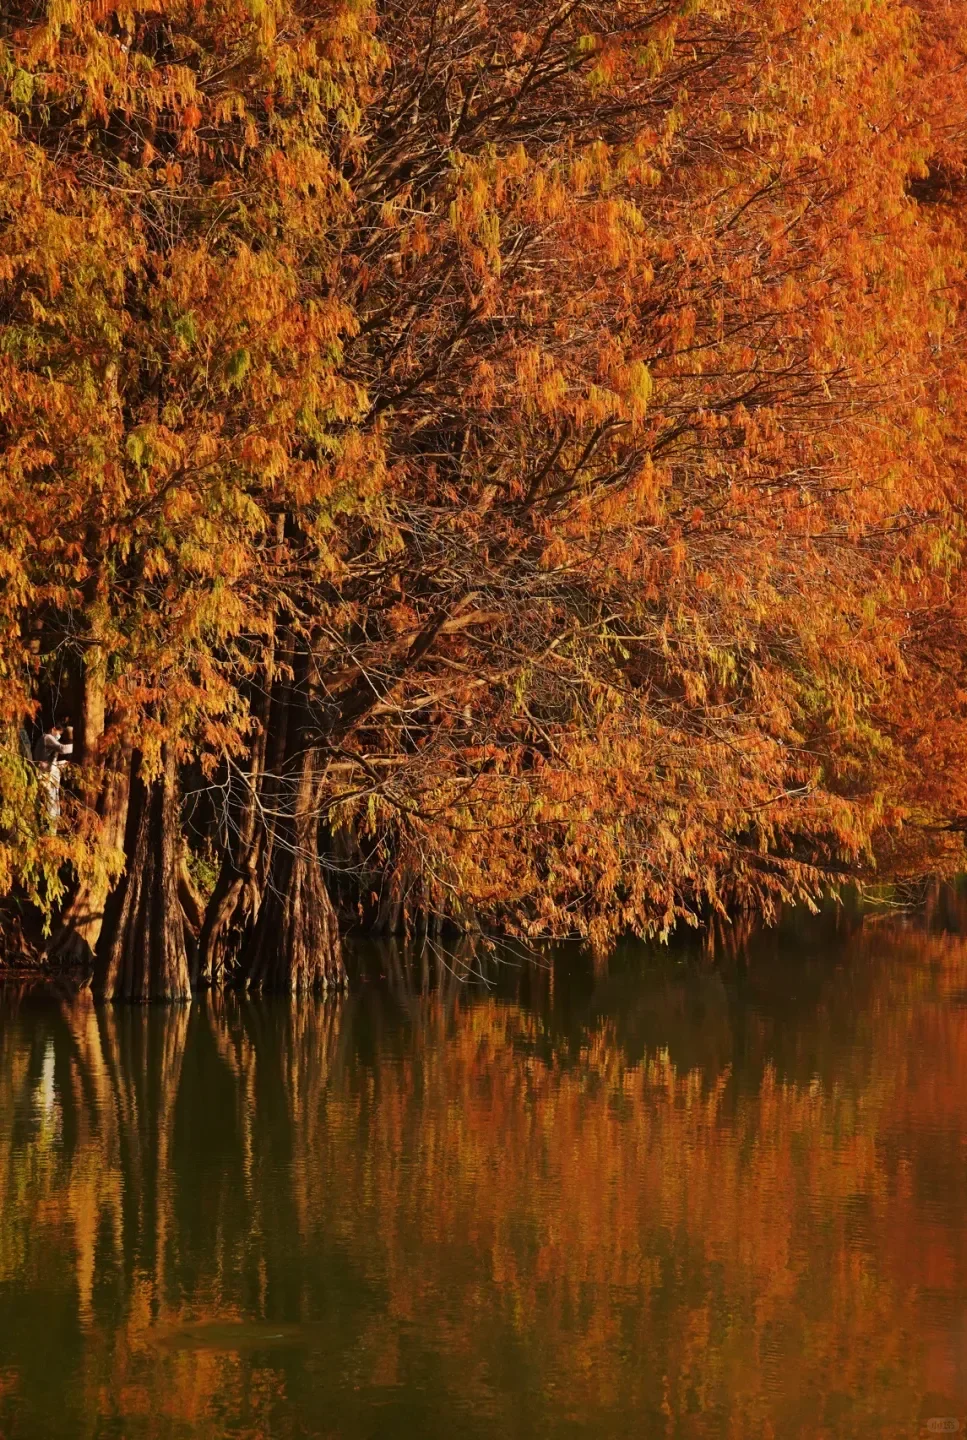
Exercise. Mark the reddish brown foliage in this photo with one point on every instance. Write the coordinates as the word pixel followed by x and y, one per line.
pixel 548 417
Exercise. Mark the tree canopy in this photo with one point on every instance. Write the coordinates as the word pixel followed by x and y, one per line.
pixel 482 465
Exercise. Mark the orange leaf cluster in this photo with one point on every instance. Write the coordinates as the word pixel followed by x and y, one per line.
pixel 579 389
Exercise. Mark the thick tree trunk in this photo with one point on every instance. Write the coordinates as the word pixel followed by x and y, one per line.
pixel 75 940
pixel 234 903
pixel 90 728
pixel 295 945
pixel 270 907
pixel 107 788
pixel 224 911
pixel 142 954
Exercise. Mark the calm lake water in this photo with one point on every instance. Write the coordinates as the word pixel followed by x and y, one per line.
pixel 663 1198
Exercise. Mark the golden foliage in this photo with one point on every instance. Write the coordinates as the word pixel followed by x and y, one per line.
pixel 582 387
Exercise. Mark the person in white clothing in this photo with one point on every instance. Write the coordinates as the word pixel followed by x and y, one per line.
pixel 49 750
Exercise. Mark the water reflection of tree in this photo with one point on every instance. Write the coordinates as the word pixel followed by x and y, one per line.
pixel 668 1199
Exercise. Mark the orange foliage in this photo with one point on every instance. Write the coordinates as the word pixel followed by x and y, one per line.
pixel 578 389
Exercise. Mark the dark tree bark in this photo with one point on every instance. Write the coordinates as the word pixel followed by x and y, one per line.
pixel 271 912
pixel 106 786
pixel 295 945
pixel 90 726
pixel 142 953
pixel 74 942
pixel 234 903
pixel 230 906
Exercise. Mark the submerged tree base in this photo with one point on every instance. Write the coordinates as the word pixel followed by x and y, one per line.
pixel 141 954
pixel 295 946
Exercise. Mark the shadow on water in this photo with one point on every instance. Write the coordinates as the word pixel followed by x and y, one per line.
pixel 657 1195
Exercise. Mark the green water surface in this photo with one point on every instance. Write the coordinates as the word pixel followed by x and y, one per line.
pixel 656 1197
